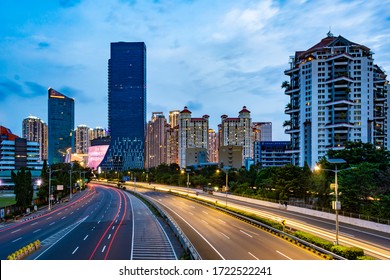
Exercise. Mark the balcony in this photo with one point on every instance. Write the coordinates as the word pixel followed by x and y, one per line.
pixel 290 71
pixel 339 78
pixel 339 125
pixel 292 130
pixel 291 90
pixel 333 102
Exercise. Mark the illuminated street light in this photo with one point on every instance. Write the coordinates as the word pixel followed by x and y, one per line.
pixel 227 184
pixel 336 205
pixel 50 172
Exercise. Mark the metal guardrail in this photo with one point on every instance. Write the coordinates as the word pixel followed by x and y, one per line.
pixel 260 224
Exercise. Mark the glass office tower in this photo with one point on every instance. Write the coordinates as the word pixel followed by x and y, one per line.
pixel 60 126
pixel 126 106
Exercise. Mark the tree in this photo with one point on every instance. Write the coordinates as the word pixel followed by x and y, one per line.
pixel 358 152
pixel 23 189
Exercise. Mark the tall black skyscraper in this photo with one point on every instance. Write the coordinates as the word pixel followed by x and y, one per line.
pixel 60 126
pixel 126 106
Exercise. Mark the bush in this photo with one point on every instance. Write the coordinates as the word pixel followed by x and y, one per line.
pixel 327 245
pixel 350 253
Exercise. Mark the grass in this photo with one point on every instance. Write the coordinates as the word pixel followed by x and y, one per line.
pixel 7 201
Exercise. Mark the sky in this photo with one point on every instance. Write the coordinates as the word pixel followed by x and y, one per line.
pixel 213 56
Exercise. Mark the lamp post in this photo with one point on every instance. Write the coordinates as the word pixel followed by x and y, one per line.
pixel 227 183
pixel 50 172
pixel 336 205
pixel 70 180
pixel 188 178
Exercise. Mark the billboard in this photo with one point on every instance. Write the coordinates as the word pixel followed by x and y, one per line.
pixel 96 155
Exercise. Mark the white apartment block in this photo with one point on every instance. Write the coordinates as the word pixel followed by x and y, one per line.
pixel 237 132
pixel 82 139
pixel 337 94
pixel 155 142
pixel 35 130
pixel 193 133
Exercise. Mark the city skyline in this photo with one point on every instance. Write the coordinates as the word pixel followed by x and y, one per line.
pixel 234 56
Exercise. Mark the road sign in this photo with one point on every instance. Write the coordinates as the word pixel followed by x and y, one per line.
pixel 336 206
pixel 283 222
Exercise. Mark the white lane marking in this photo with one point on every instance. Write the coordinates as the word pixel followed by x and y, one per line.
pixel 16 230
pixel 246 233
pixel 205 222
pixel 85 237
pixel 205 212
pixel 109 236
pixel 36 230
pixel 75 250
pixel 253 256
pixel 99 222
pixel 16 239
pixel 191 213
pixel 283 255
pixel 52 223
pixel 184 220
pixel 63 217
pixel 224 235
pixel 222 221
pixel 34 223
pixel 104 248
pixel 49 218
pixel 71 213
pixel 113 227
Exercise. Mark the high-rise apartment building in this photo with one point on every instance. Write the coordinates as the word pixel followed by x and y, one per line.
pixel 172 144
pixel 126 106
pixel 237 132
pixel 262 131
pixel 155 145
pixel 193 133
pixel 337 94
pixel 82 140
pixel 212 146
pixel 97 132
pixel 60 126
pixel 35 130
pixel 174 118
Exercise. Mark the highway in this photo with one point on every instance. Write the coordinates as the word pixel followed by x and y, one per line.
pixel 218 236
pixel 97 224
pixel 373 242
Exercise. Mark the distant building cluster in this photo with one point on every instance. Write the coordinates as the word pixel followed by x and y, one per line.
pixel 337 94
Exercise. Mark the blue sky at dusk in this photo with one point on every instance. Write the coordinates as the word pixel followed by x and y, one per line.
pixel 213 56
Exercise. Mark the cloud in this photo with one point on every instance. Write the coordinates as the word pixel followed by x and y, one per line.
pixel 43 45
pixel 69 3
pixel 29 90
pixel 35 89
pixel 194 105
pixel 10 88
pixel 77 94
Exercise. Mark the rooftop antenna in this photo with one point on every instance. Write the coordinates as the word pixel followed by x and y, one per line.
pixel 329 34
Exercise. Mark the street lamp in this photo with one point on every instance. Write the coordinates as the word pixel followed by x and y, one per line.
pixel 227 184
pixel 188 178
pixel 336 205
pixel 50 172
pixel 70 180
